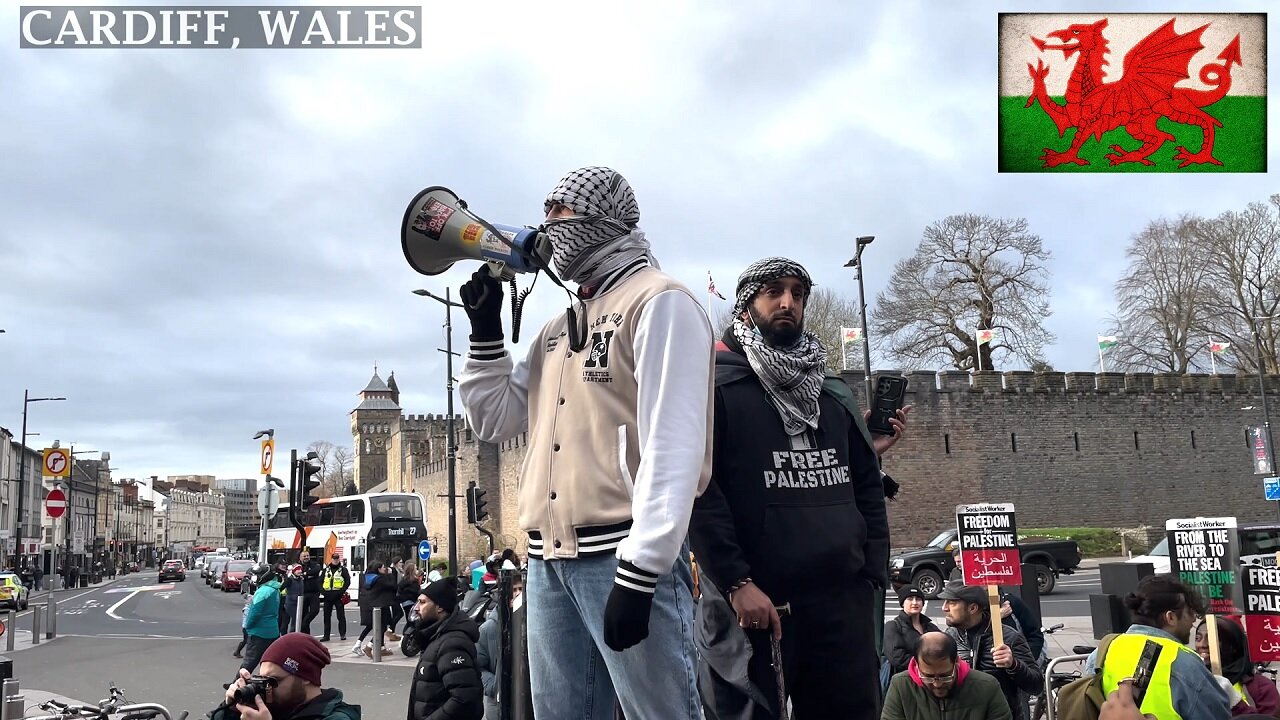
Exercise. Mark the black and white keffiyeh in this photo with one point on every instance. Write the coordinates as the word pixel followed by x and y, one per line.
pixel 604 234
pixel 791 376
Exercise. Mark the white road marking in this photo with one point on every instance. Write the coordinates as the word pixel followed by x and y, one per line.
pixel 111 611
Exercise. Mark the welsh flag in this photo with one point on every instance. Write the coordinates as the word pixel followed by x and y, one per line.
pixel 1054 116
pixel 1216 347
pixel 1106 342
pixel 986 336
pixel 851 335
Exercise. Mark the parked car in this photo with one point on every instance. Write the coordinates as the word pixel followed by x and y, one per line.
pixel 233 574
pixel 206 569
pixel 928 567
pixel 12 592
pixel 1259 542
pixel 215 572
pixel 172 570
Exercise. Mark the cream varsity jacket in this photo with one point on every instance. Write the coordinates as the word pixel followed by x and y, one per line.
pixel 619 433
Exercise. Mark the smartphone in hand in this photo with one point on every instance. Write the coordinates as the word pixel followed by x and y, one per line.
pixel 891 392
pixel 1146 666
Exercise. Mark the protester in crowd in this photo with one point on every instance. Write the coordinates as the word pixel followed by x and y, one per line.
pixel 293 589
pixel 438 571
pixel 335 583
pixel 1015 612
pixel 289 674
pixel 488 650
pixel 1164 610
pixel 902 634
pixel 447 681
pixel 938 685
pixel 262 619
pixel 407 589
pixel 795 511
pixel 1011 663
pixel 310 590
pixel 244 620
pixel 1247 691
pixel 377 590
pixel 616 396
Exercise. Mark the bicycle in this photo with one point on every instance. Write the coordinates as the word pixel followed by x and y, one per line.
pixel 1056 680
pixel 116 707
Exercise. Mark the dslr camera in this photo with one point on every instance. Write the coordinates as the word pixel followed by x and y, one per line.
pixel 255 686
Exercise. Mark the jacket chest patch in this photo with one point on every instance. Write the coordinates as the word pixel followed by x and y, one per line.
pixel 596 366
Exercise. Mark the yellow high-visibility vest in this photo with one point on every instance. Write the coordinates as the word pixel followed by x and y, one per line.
pixel 1122 660
pixel 332 580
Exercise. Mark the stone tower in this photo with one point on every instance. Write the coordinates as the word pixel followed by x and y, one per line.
pixel 373 423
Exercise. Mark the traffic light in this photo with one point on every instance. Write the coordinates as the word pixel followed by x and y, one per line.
pixel 300 486
pixel 475 504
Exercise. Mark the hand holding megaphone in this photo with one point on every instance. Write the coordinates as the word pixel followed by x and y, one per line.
pixel 482 301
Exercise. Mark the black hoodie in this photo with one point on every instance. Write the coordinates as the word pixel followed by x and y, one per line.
pixel 792 520
pixel 446 684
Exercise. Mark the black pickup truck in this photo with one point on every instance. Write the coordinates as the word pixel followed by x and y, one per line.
pixel 929 567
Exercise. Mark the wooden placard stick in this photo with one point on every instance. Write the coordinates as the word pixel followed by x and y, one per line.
pixel 997 627
pixel 1215 656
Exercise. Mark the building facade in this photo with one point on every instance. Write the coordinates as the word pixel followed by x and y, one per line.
pixel 240 496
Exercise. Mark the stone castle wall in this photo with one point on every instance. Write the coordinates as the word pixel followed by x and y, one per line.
pixel 1068 449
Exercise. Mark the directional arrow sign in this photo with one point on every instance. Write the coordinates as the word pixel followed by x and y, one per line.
pixel 55 503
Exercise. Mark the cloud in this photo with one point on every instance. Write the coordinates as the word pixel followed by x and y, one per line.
pixel 200 244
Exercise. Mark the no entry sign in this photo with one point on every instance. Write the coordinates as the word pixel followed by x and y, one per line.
pixel 1205 553
pixel 55 503
pixel 988 544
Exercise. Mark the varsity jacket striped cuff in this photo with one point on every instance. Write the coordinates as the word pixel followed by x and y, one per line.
pixel 633 578
pixel 487 348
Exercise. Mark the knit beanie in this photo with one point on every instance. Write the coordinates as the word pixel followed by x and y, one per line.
pixel 299 654
pixel 444 593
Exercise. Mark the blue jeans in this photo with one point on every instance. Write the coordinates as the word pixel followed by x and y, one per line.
pixel 573 673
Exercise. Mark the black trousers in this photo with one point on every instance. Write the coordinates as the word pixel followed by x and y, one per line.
pixel 253 651
pixel 310 609
pixel 332 603
pixel 829 662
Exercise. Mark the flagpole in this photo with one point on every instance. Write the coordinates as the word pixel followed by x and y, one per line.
pixel 1102 364
pixel 1213 362
pixel 977 345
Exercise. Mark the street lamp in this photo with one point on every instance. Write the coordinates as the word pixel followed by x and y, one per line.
pixel 449 304
pixel 22 462
pixel 1262 388
pixel 856 264
pixel 71 506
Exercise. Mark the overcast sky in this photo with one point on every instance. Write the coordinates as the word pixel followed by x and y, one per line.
pixel 198 244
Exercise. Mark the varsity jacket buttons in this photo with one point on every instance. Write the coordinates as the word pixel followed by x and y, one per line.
pixel 553 494
pixel 556 447
pixel 556 543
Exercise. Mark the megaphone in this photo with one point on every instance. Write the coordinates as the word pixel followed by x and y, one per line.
pixel 438 231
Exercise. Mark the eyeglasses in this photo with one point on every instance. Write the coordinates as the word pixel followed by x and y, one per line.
pixel 938 679
pixel 267 680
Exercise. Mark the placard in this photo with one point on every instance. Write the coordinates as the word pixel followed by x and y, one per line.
pixel 1205 554
pixel 988 539
pixel 1262 611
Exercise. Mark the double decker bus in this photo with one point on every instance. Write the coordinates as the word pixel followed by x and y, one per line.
pixel 361 529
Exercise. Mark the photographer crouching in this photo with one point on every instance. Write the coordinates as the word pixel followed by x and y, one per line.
pixel 286 686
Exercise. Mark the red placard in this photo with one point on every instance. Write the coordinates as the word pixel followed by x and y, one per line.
pixel 988 544
pixel 1262 611
pixel 55 503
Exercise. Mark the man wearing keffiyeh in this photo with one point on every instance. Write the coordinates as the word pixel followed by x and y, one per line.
pixel 795 510
pixel 615 398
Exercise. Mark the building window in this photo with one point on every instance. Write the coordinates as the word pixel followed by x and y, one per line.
pixel 946 442
pixel 1076 436
pixel 1013 441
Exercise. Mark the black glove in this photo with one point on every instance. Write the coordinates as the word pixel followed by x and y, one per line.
pixel 482 299
pixel 626 617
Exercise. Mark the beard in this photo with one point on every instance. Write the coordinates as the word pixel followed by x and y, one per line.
pixel 775 333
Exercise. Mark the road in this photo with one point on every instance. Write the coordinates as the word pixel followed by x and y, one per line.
pixel 171 643
pixel 1069 600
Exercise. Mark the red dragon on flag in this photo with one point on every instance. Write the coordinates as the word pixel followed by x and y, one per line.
pixel 1137 101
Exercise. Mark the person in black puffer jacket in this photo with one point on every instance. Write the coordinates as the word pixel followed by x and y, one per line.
pixel 446 683
pixel 377 590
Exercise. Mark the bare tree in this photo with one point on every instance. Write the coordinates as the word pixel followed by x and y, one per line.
pixel 1243 283
pixel 337 467
pixel 969 272
pixel 826 312
pixel 1161 300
